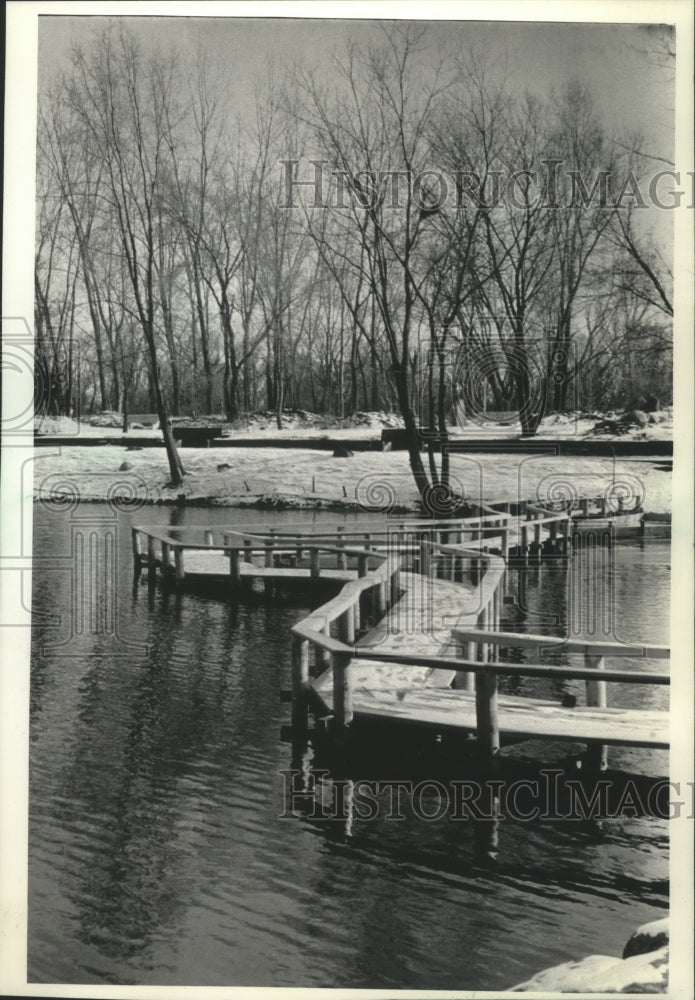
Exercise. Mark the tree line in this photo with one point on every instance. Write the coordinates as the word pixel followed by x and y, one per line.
pixel 404 235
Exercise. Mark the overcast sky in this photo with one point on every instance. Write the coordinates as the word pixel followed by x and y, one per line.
pixel 632 89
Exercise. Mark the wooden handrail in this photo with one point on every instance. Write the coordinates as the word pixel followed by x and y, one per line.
pixel 518 669
pixel 585 646
pixel 373 528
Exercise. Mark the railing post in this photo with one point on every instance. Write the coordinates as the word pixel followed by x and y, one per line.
pixel 504 544
pixel 468 679
pixel 342 559
pixel 379 601
pixel 537 541
pixel 475 562
pixel 362 565
pixel 494 624
pixel 552 529
pixel 208 537
pixel 323 656
pixel 346 624
pixel 300 682
pixel 564 535
pixel 597 753
pixel 299 550
pixel 394 585
pixel 342 691
pixel 483 622
pixel 165 558
pixel 425 558
pixel 248 551
pixel 314 562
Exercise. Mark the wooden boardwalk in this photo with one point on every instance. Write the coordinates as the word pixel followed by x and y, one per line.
pixel 412 633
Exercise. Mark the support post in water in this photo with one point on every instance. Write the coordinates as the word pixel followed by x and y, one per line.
pixel 269 546
pixel 596 753
pixel 487 721
pixel 300 682
pixel 235 566
pixel 151 559
pixel 268 584
pixel 178 565
pixel 165 558
pixel 137 552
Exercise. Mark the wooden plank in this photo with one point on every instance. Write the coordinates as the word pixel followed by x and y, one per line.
pixel 518 717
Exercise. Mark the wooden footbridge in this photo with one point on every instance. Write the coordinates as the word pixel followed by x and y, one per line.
pixel 412 634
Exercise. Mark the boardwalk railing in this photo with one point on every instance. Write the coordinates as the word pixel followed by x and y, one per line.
pixel 593 671
pixel 368 561
pixel 314 632
pixel 162 547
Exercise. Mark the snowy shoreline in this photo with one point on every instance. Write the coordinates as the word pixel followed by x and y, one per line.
pixel 310 479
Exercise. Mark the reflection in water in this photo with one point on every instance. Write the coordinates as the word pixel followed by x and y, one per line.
pixel 157 854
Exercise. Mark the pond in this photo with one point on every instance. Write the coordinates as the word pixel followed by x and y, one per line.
pixel 157 854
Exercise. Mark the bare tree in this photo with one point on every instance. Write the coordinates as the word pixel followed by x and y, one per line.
pixel 121 99
pixel 374 134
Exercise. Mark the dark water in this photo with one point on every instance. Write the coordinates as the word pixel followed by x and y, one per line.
pixel 157 855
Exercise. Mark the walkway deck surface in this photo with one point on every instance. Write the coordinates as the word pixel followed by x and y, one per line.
pixel 420 623
pixel 199 565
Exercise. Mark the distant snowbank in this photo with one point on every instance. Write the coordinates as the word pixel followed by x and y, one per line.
pixel 632 425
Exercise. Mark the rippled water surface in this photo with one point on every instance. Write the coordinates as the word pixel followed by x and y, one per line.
pixel 157 854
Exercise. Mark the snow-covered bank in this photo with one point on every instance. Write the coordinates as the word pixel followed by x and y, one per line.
pixel 642 969
pixel 372 480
